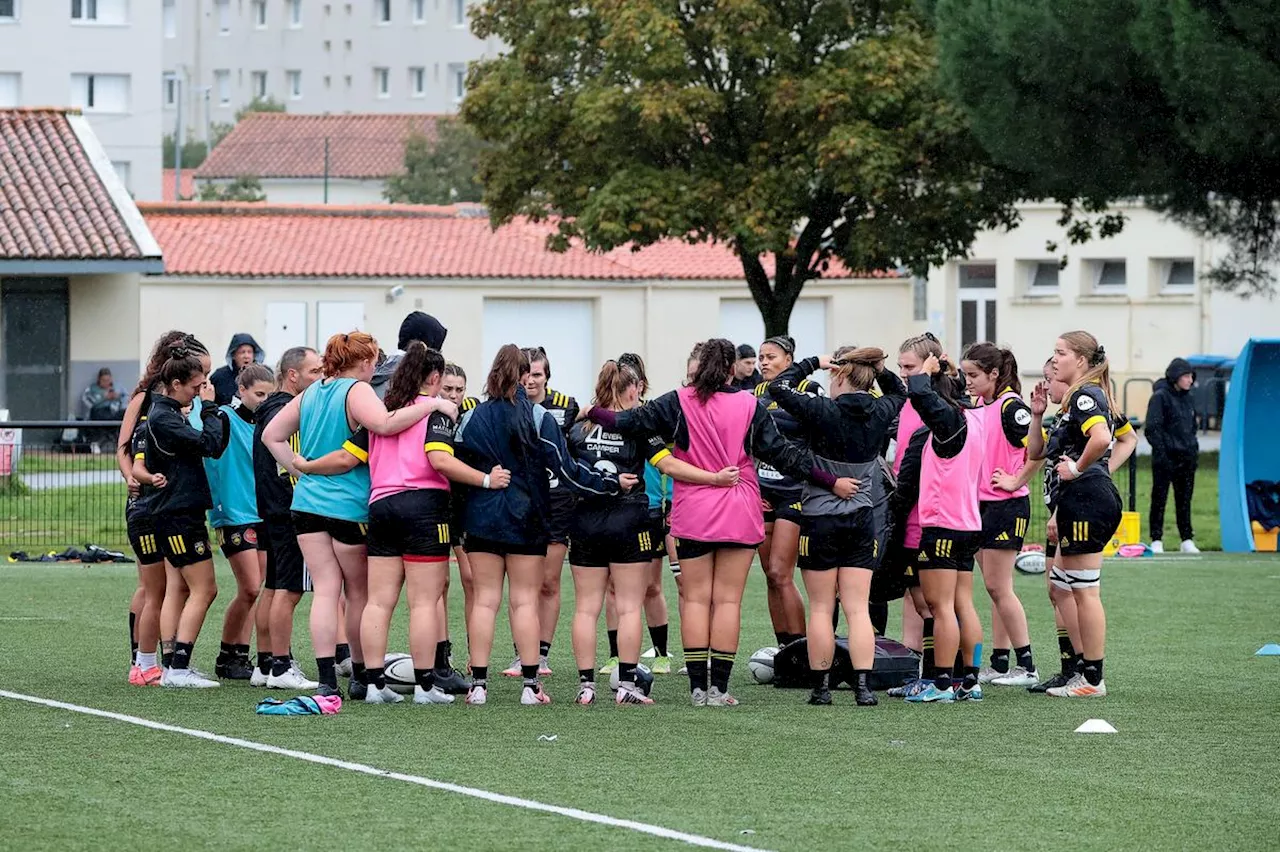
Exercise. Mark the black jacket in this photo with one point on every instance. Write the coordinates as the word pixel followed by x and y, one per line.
pixel 274 487
pixel 177 450
pixel 1171 418
pixel 850 428
pixel 223 379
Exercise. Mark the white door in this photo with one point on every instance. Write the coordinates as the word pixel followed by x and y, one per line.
pixel 563 327
pixel 338 318
pixel 740 321
pixel 977 320
pixel 286 328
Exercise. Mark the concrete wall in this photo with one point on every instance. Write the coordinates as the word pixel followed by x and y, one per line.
pixel 104 331
pixel 341 191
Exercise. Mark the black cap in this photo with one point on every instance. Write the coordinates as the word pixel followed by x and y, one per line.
pixel 424 327
pixel 745 351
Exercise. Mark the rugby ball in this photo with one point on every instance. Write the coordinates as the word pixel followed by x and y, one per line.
pixel 399 673
pixel 761 665
pixel 644 679
pixel 1030 562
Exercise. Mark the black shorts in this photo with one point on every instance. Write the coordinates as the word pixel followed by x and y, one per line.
pixel 839 541
pixel 900 560
pixel 237 539
pixel 142 538
pixel 286 568
pixel 687 548
pixel 560 517
pixel 622 536
pixel 1004 523
pixel 1088 515
pixel 658 530
pixel 786 507
pixel 950 550
pixel 343 532
pixel 475 544
pixel 412 524
pixel 184 539
pixel 1050 550
pixel 457 515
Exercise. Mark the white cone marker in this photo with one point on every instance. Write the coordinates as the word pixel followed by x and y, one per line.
pixel 1096 726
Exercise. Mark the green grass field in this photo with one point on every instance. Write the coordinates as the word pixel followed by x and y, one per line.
pixel 1194 764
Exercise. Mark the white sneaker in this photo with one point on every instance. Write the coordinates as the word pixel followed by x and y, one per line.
pixel 292 679
pixel 698 697
pixel 649 654
pixel 478 694
pixel 386 695
pixel 986 674
pixel 259 678
pixel 1018 676
pixel 514 669
pixel 716 698
pixel 631 694
pixel 1078 687
pixel 544 670
pixel 531 696
pixel 586 695
pixel 1157 547
pixel 343 668
pixel 684 670
pixel 187 679
pixel 434 695
pixel 1189 546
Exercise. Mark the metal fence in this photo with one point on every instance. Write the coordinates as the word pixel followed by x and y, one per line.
pixel 60 487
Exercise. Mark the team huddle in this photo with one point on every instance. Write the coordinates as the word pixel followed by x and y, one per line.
pixel 355 477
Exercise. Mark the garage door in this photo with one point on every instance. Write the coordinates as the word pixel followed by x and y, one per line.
pixel 564 327
pixel 740 321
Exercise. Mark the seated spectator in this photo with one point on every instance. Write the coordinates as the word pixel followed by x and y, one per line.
pixel 101 401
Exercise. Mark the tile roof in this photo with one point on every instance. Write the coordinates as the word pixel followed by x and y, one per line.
pixel 53 203
pixel 188 188
pixel 280 145
pixel 403 241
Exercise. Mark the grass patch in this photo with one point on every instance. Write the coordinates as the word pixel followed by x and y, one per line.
pixel 1190 767
pixel 63 517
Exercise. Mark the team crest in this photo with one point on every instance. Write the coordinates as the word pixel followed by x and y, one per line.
pixel 1063 543
pixel 235 539
pixel 200 548
pixel 251 536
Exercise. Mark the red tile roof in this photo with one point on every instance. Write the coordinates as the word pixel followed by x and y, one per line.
pixel 280 145
pixel 53 204
pixel 403 241
pixel 188 188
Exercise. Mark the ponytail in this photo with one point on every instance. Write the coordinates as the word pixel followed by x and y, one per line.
pixel 992 359
pixel 416 367
pixel 510 365
pixel 612 383
pixel 163 351
pixel 635 364
pixel 715 365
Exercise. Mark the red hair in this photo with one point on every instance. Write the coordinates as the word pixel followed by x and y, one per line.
pixel 344 351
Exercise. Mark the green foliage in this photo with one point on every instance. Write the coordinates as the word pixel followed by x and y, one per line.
pixel 267 104
pixel 193 152
pixel 243 188
pixel 1099 100
pixel 797 131
pixel 439 172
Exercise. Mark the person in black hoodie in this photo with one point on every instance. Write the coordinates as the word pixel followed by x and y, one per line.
pixel 416 326
pixel 1171 431
pixel 242 351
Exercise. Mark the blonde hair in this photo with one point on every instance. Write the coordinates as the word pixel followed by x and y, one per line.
pixel 857 366
pixel 1085 345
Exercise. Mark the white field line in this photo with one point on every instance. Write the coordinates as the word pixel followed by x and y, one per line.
pixel 363 769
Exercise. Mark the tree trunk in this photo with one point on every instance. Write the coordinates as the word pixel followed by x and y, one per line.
pixel 775 300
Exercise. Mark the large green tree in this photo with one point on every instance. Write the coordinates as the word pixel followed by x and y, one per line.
pixel 794 131
pixel 1172 101
pixel 440 170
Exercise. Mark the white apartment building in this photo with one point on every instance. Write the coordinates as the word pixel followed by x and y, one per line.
pixel 316 56
pixel 101 56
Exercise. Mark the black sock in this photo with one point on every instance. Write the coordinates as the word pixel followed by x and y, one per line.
pixel 264 662
pixel 133 636
pixel 328 677
pixel 529 673
pixel 970 677
pixel 425 678
pixel 613 642
pixel 780 636
pixel 1024 658
pixel 1077 665
pixel 166 659
pixel 1093 672
pixel 696 659
pixel 862 679
pixel 942 680
pixel 821 679
pixel 785 639
pixel 1066 654
pixel 182 652
pixel 241 652
pixel 376 677
pixel 721 668
pixel 587 675
pixel 1000 660
pixel 544 649
pixel 279 665
pixel 480 674
pixel 626 672
pixel 442 655
pixel 342 652
pixel 658 633
pixel 835 618
pixel 226 652
pixel 879 613
pixel 958 667
pixel 358 672
pixel 927 660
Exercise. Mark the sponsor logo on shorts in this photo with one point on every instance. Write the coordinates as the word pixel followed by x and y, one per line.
pixel 251 535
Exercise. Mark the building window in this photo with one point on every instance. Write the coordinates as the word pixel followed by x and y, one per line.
pixel 8 10
pixel 1044 276
pixel 100 92
pixel 222 86
pixel 122 172
pixel 295 13
pixel 1178 275
pixel 457 82
pixel 919 298
pixel 170 16
pixel 10 89
pixel 418 82
pixel 223 8
pixel 258 80
pixel 382 82
pixel 170 90
pixel 459 13
pixel 418 10
pixel 295 84
pixel 382 11
pixel 260 14
pixel 100 11
pixel 1109 275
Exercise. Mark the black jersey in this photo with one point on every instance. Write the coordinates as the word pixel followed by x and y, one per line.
pixel 610 453
pixel 563 409
pixel 1070 436
pixel 178 450
pixel 777 487
pixel 139 505
pixel 1015 420
pixel 273 485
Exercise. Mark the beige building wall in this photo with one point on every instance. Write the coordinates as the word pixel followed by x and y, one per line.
pixel 103 329
pixel 308 191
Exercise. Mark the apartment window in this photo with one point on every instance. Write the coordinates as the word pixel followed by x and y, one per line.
pixel 457 82
pixel 223 8
pixel 295 13
pixel 10 89
pixel 418 11
pixel 122 171
pixel 170 90
pixel 382 11
pixel 100 11
pixel 1110 275
pixel 222 86
pixel 258 80
pixel 169 13
pixel 100 92
pixel 920 298
pixel 8 10
pixel 295 84
pixel 459 12
pixel 260 14
pixel 1044 276
pixel 418 82
pixel 1179 275
pixel 382 82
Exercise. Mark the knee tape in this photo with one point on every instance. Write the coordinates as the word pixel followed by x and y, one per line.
pixel 1075 579
pixel 675 569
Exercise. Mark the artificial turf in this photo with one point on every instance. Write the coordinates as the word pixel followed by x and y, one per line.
pixel 1193 764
